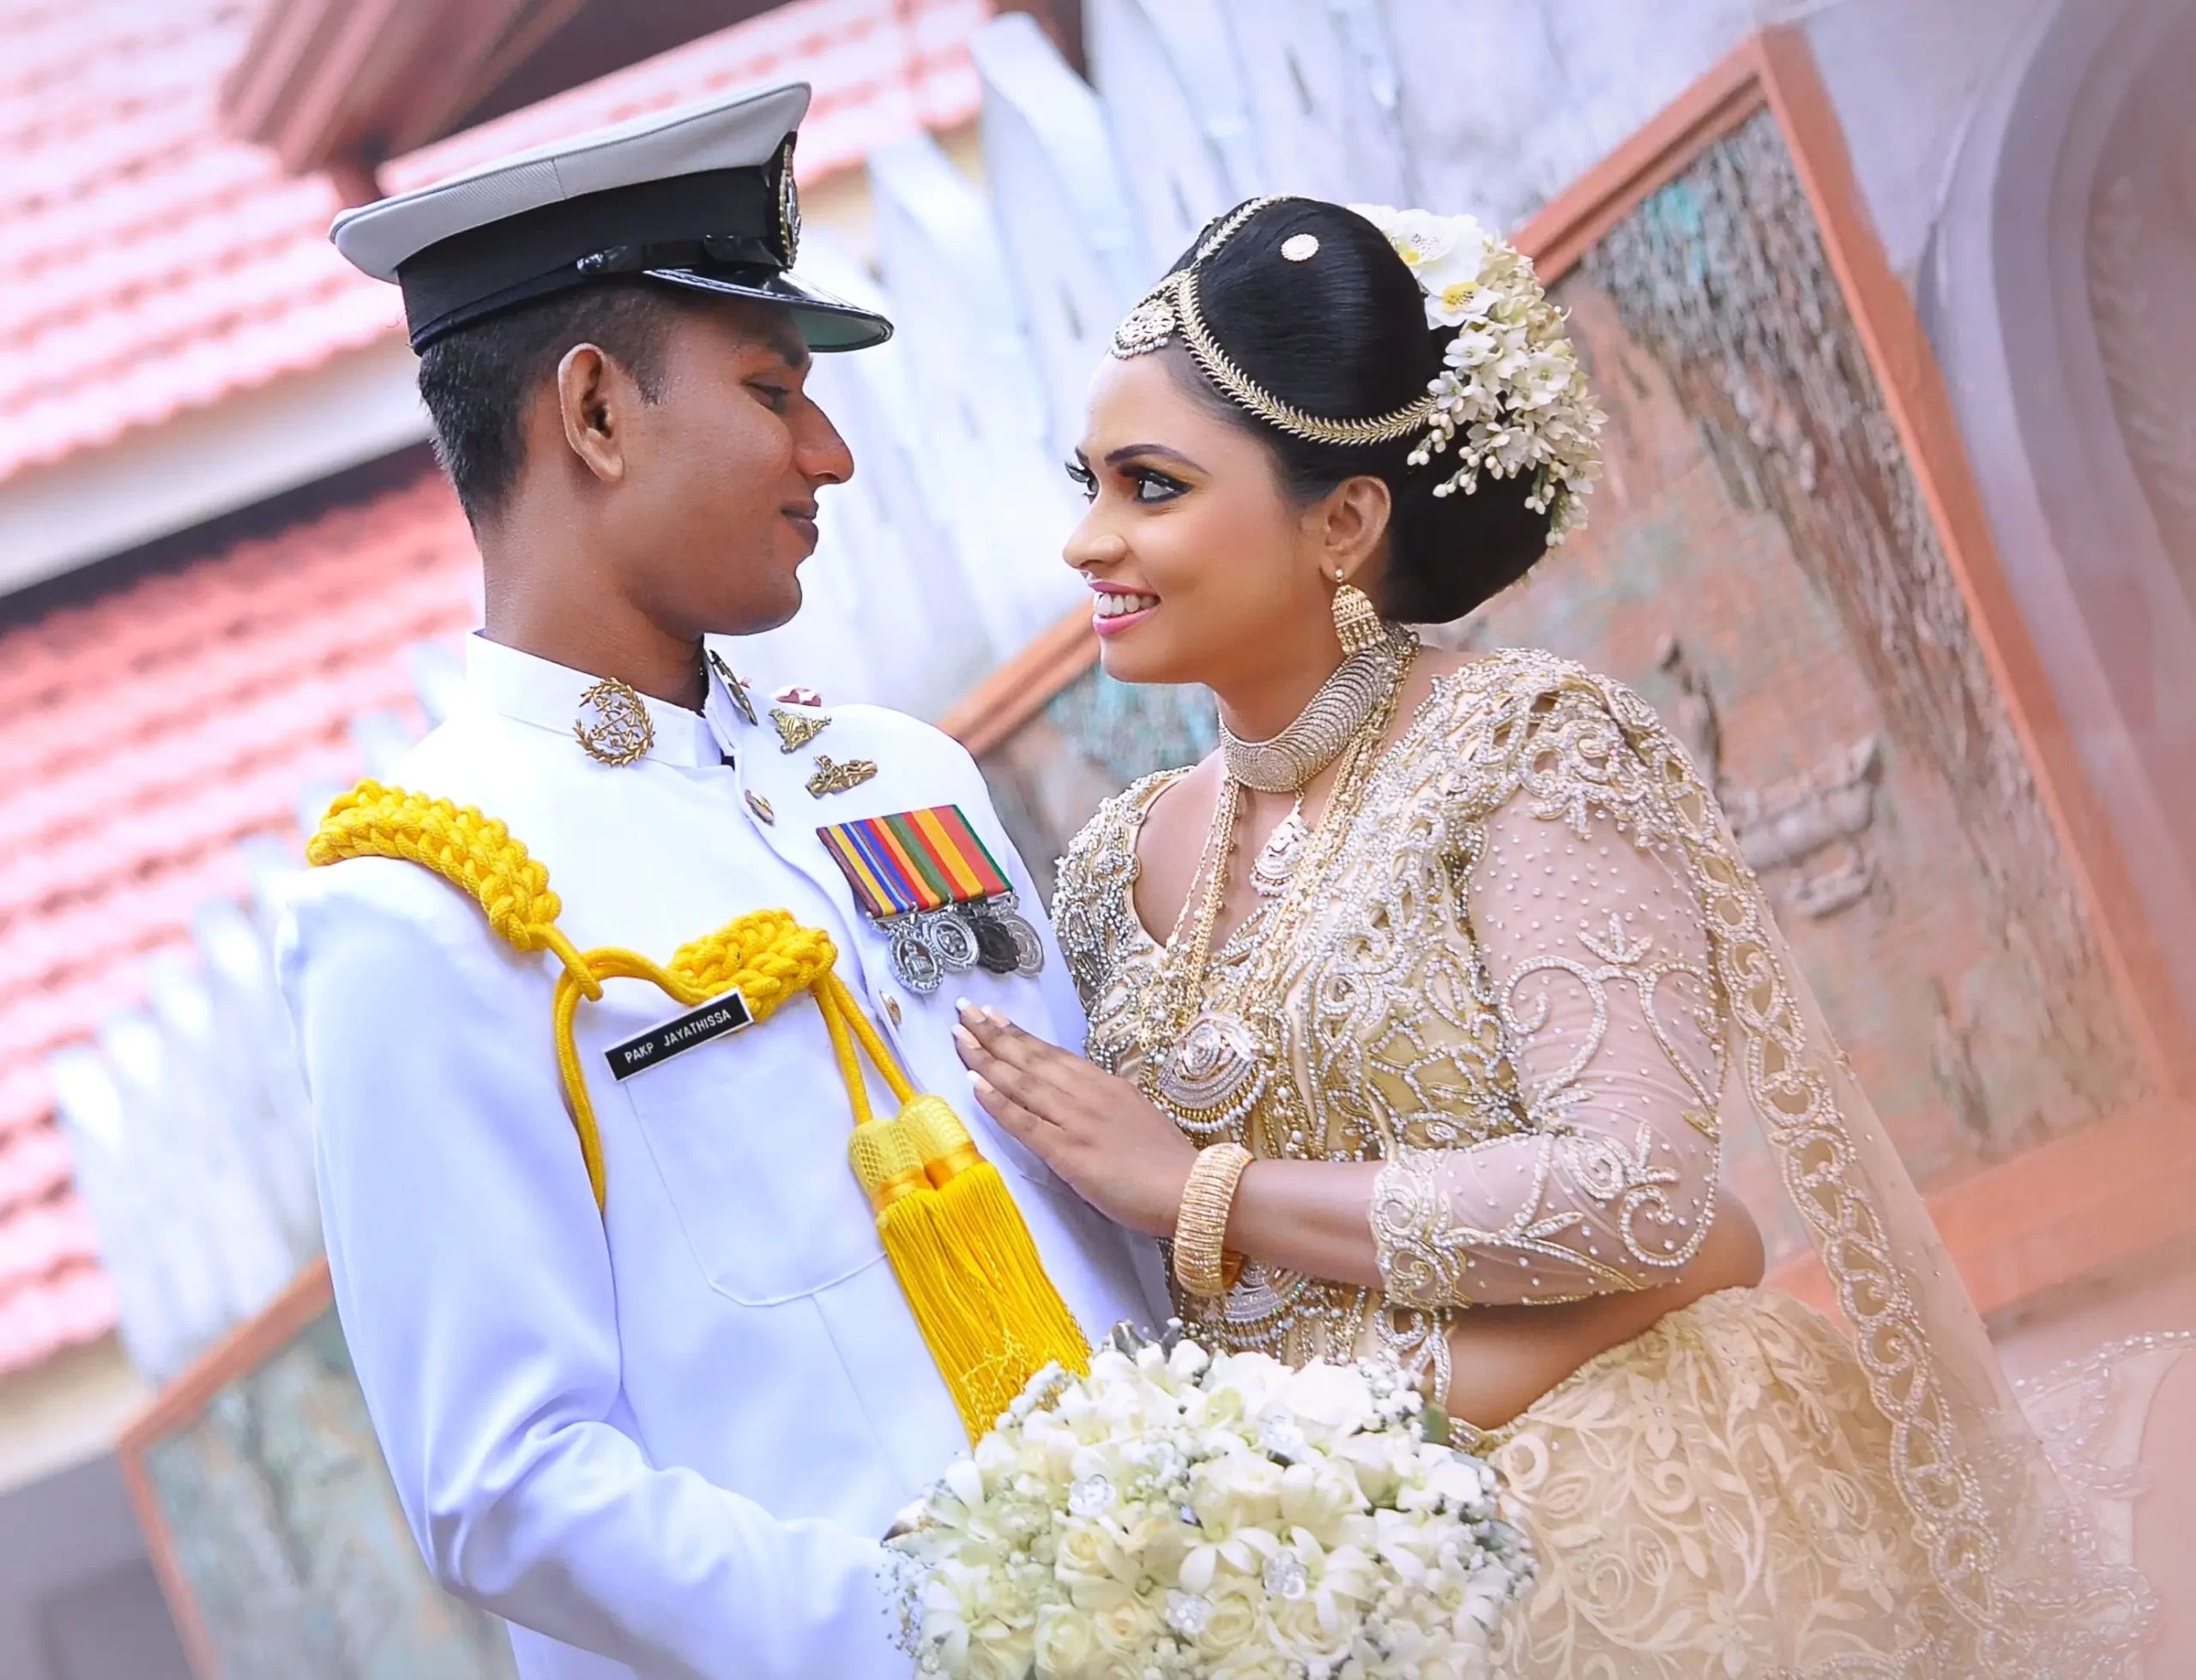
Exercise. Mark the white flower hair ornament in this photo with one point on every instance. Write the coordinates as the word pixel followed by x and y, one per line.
pixel 1510 387
pixel 1511 399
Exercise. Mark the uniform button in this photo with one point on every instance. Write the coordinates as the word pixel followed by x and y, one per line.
pixel 892 1007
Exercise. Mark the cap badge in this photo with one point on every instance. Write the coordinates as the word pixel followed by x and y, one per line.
pixel 832 777
pixel 931 886
pixel 613 726
pixel 788 205
pixel 796 729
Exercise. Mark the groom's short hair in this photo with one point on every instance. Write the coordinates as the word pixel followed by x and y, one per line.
pixel 477 380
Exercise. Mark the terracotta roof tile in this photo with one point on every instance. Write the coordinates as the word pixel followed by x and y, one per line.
pixel 142 736
pixel 73 1304
pixel 150 265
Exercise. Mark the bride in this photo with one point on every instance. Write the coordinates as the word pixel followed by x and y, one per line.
pixel 1420 1010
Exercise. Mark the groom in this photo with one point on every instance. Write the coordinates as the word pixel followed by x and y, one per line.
pixel 654 1404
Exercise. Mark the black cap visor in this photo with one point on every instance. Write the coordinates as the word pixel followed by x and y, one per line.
pixel 827 323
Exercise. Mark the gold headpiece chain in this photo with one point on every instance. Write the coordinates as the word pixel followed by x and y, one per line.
pixel 1172 307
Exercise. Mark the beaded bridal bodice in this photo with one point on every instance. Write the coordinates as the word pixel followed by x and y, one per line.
pixel 1497 982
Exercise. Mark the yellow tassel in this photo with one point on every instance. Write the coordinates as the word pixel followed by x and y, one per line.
pixel 981 1213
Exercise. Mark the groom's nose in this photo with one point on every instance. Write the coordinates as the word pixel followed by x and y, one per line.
pixel 819 454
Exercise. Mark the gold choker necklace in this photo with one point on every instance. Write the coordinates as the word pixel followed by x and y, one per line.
pixel 1346 701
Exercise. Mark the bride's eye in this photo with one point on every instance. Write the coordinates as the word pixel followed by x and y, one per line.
pixel 1085 479
pixel 1154 486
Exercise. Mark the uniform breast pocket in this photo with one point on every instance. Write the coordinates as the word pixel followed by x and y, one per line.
pixel 756 1170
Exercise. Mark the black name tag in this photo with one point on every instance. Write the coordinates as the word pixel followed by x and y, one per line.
pixel 715 1018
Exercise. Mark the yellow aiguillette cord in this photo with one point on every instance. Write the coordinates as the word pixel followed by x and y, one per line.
pixel 978 1288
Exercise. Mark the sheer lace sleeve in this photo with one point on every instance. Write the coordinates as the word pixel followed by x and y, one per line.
pixel 1598 959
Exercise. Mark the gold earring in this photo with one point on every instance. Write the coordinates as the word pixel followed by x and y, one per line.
pixel 1357 622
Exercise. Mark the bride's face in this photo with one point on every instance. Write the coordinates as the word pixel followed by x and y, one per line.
pixel 1202 568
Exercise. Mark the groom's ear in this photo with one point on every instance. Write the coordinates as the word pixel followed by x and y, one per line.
pixel 595 397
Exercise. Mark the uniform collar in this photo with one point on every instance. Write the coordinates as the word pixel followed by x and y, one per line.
pixel 726 703
pixel 547 695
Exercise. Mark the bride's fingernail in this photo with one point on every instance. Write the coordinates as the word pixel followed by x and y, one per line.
pixel 965 1010
pixel 964 1038
pixel 975 1079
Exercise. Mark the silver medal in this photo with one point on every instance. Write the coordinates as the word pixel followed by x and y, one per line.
pixel 913 957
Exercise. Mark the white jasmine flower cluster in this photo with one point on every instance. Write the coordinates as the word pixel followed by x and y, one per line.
pixel 1512 398
pixel 1173 1517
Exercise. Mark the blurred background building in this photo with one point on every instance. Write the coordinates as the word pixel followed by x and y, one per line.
pixel 232 580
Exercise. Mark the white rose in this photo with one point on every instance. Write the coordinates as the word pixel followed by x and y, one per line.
pixel 1327 1401
pixel 1006 1656
pixel 1234 1493
pixel 1235 1619
pixel 1311 1627
pixel 1085 1550
pixel 1241 1385
pixel 1065 1640
pixel 1257 1660
pixel 1317 1497
pixel 1128 1624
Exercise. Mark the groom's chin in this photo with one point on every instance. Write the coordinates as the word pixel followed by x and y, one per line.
pixel 757 616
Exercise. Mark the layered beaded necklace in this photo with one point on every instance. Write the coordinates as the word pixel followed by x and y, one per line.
pixel 1205 1061
pixel 1201 1060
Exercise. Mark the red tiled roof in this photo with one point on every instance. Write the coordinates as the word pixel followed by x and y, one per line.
pixel 141 737
pixel 150 265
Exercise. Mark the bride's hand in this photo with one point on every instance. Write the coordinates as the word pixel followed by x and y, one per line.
pixel 1099 1133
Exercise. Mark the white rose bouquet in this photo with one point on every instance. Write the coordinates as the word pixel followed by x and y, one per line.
pixel 1173 1514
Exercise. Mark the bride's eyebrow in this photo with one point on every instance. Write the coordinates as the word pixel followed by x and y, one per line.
pixel 1129 450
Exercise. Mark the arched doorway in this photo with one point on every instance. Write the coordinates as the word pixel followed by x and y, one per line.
pixel 2061 261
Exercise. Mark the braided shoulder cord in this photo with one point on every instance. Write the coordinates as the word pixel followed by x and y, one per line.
pixel 473 852
pixel 766 955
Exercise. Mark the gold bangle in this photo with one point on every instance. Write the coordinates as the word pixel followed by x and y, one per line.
pixel 1201 1225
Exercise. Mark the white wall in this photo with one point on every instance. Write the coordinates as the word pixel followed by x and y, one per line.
pixel 1906 76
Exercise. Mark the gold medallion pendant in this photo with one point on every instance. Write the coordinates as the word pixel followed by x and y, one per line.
pixel 1212 1076
pixel 613 726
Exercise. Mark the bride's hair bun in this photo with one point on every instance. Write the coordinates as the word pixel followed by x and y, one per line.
pixel 1336 325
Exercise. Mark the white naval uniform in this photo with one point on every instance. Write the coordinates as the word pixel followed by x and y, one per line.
pixel 664 1442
